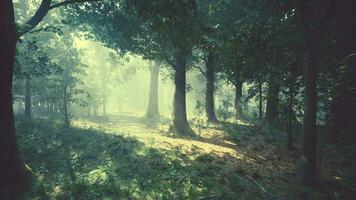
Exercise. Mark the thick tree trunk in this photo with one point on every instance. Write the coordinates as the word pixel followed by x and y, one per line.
pixel 180 123
pixel 309 155
pixel 152 107
pixel 28 103
pixel 11 167
pixel 209 96
pixel 260 98
pixel 238 101
pixel 272 100
pixel 309 168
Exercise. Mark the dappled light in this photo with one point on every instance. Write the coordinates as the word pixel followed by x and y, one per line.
pixel 209 141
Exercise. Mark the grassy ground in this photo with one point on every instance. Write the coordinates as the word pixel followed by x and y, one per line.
pixel 124 158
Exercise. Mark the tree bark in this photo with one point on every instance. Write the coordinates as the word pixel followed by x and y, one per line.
pixel 272 100
pixel 152 107
pixel 260 108
pixel 28 103
pixel 65 106
pixel 290 117
pixel 238 101
pixel 12 172
pixel 209 96
pixel 180 123
pixel 309 171
pixel 309 153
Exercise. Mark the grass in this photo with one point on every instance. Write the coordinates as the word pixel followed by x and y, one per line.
pixel 123 158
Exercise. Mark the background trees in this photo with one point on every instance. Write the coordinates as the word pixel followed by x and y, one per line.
pixel 154 33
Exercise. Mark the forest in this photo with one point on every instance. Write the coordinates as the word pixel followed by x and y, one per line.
pixel 178 99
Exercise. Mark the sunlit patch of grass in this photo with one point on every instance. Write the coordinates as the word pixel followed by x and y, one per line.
pixel 97 176
pixel 157 138
pixel 242 122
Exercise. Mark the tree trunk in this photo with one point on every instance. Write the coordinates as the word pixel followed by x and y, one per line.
pixel 53 108
pixel 209 96
pixel 290 118
pixel 65 106
pixel 104 105
pixel 152 107
pixel 104 96
pixel 28 103
pixel 272 100
pixel 309 171
pixel 343 105
pixel 95 113
pixel 11 167
pixel 260 108
pixel 238 102
pixel 309 155
pixel 180 123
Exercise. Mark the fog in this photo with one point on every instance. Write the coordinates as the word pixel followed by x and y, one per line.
pixel 125 81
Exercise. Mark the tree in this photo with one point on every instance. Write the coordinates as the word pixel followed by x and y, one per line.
pixel 31 62
pixel 176 22
pixel 272 99
pixel 309 159
pixel 69 79
pixel 209 96
pixel 163 30
pixel 11 168
pixel 152 107
pixel 314 22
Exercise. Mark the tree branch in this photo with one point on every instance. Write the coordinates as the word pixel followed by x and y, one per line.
pixel 200 69
pixel 35 19
pixel 42 11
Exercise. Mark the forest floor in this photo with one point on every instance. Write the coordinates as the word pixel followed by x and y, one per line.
pixel 122 157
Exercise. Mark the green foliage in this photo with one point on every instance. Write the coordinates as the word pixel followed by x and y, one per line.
pixel 223 111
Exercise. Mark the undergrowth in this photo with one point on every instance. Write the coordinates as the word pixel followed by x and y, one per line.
pixel 91 163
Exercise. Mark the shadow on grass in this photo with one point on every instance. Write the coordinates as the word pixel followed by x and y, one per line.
pixel 72 163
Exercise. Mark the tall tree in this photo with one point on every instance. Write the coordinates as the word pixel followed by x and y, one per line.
pixel 164 30
pixel 210 80
pixel 11 168
pixel 238 100
pixel 152 112
pixel 272 99
pixel 315 22
pixel 28 98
